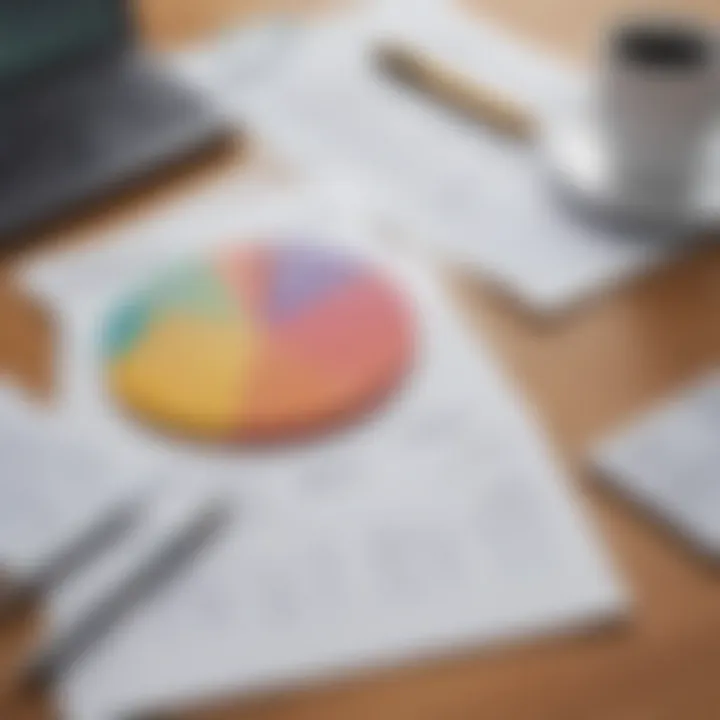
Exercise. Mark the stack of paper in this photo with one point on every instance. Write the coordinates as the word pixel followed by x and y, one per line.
pixel 468 195
pixel 440 522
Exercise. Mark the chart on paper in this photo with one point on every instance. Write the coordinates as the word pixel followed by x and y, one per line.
pixel 259 343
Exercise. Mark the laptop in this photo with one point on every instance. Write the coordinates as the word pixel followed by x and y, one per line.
pixel 83 108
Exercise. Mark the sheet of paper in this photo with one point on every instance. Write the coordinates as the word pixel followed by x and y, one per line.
pixel 440 522
pixel 471 197
pixel 57 488
pixel 668 462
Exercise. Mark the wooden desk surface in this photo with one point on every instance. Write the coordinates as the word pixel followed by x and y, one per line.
pixel 585 373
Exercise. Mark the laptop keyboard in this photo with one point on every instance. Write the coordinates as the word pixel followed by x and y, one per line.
pixel 107 123
pixel 126 105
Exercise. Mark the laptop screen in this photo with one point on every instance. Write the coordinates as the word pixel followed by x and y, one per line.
pixel 35 35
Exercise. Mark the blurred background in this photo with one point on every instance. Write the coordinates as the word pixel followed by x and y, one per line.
pixel 589 355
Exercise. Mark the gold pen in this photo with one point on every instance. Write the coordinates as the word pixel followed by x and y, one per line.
pixel 424 73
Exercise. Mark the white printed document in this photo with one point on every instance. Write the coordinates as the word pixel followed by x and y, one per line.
pixel 469 196
pixel 441 522
pixel 61 496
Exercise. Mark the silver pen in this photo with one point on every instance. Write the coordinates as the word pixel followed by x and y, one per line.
pixel 172 546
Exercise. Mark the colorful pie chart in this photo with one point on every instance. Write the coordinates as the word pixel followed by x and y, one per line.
pixel 262 342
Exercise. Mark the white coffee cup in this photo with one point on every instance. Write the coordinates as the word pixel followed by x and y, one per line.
pixel 659 94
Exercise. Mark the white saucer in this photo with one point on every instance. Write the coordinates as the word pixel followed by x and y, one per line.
pixel 580 164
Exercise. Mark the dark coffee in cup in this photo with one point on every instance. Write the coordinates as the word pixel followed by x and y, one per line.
pixel 659 95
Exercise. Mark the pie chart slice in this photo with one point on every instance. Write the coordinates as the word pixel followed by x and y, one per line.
pixel 260 343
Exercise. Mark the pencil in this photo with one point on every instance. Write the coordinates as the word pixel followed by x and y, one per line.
pixel 422 72
pixel 172 546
